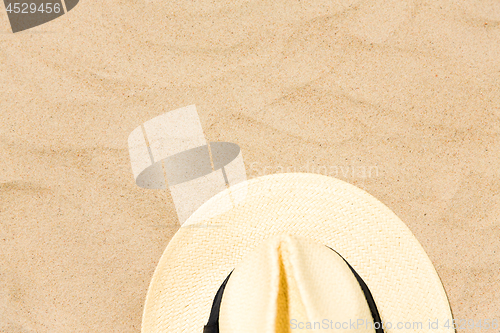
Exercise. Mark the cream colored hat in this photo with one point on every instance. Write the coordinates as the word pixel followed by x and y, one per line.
pixel 301 253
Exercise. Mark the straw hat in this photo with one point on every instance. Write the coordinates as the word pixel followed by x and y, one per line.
pixel 299 250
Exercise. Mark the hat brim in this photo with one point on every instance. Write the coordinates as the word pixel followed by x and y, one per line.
pixel 371 238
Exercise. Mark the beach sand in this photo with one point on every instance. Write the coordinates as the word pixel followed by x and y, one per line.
pixel 398 97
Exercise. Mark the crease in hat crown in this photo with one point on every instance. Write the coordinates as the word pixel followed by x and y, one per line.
pixel 280 291
pixel 170 151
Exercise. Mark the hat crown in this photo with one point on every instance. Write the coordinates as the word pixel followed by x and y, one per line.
pixel 289 282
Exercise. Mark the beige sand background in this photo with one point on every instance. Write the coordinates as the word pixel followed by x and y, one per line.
pixel 408 90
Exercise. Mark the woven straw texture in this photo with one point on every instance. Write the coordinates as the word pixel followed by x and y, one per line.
pixel 278 289
pixel 375 242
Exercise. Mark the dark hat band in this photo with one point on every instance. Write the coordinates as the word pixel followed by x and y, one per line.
pixel 213 321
